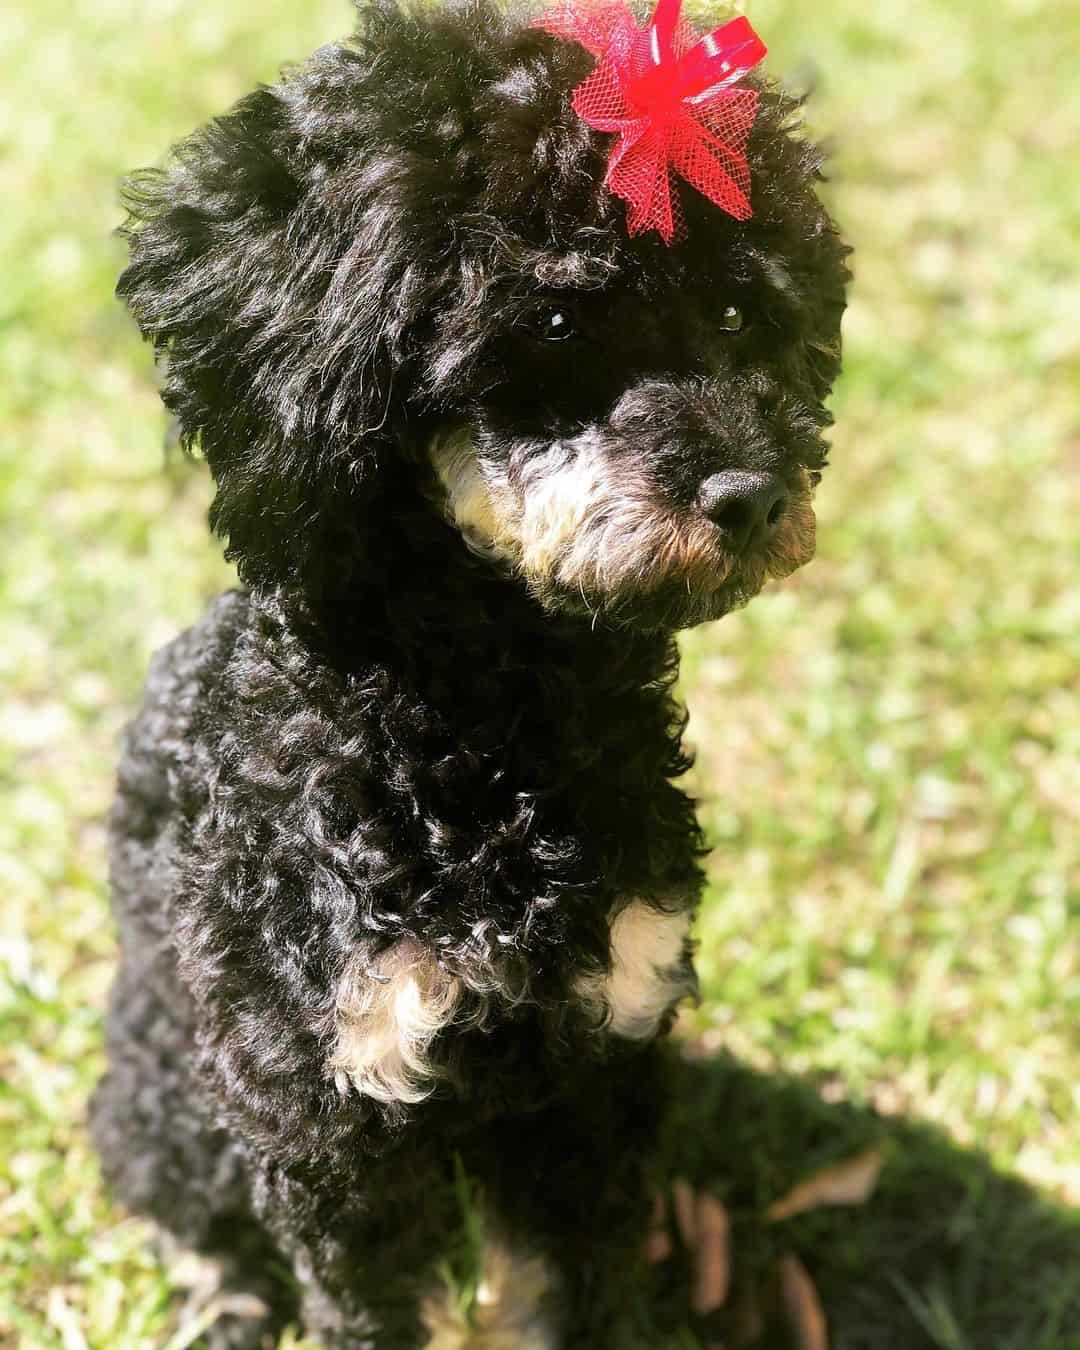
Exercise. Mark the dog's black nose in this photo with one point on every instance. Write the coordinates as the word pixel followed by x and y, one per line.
pixel 742 502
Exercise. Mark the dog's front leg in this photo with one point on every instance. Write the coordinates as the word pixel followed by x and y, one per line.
pixel 563 1196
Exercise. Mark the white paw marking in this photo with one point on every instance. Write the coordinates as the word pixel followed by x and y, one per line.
pixel 508 1312
pixel 387 1021
pixel 648 974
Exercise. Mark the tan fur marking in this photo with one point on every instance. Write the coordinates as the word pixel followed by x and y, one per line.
pixel 587 522
pixel 593 524
pixel 646 976
pixel 507 1314
pixel 580 520
pixel 792 546
pixel 386 1023
pixel 478 508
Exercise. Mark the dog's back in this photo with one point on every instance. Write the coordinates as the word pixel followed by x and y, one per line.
pixel 146 822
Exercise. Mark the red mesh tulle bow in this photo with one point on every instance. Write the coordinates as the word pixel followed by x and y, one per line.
pixel 667 93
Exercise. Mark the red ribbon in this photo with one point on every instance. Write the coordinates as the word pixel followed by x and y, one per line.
pixel 668 94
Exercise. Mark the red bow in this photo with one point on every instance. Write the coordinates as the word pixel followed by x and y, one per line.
pixel 667 93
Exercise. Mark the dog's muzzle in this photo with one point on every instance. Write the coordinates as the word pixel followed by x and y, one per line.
pixel 591 527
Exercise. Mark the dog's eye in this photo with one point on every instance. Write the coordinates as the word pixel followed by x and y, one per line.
pixel 731 319
pixel 553 323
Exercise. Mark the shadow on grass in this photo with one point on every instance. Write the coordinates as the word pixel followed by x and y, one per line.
pixel 947 1254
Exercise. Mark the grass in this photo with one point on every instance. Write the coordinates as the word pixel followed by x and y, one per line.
pixel 888 745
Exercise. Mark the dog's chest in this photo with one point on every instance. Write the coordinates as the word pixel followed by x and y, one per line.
pixel 505 848
pixel 389 1020
pixel 571 813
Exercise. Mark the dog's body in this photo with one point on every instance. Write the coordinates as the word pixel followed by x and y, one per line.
pixel 403 877
pixel 485 807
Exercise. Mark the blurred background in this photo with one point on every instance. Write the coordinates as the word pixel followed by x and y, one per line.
pixel 893 913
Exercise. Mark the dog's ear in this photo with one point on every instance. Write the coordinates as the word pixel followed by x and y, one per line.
pixel 299 267
pixel 257 272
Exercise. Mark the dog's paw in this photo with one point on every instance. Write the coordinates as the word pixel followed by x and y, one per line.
pixel 242 1322
pixel 217 1312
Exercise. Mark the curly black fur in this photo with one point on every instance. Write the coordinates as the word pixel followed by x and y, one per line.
pixel 387 738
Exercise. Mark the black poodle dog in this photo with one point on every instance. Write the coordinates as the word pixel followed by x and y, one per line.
pixel 403 875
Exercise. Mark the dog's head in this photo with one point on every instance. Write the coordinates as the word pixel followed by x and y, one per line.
pixel 396 278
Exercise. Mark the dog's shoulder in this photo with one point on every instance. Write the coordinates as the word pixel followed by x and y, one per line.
pixel 158 742
pixel 179 668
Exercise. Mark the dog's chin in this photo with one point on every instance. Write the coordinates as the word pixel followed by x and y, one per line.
pixel 668 605
pixel 684 598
